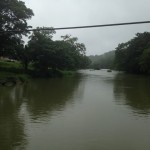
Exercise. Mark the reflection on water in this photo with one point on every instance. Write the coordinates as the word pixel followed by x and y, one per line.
pixel 77 113
pixel 46 96
pixel 133 91
pixel 41 98
pixel 11 125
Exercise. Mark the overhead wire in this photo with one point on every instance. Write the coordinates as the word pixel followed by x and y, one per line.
pixel 79 27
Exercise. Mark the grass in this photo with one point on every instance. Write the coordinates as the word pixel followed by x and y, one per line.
pixel 12 69
pixel 68 73
pixel 22 77
pixel 6 64
pixel 15 69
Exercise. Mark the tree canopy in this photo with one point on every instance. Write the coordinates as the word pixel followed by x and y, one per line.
pixel 134 55
pixel 13 16
pixel 41 52
pixel 47 54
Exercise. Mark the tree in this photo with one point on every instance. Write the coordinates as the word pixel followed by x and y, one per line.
pixel 128 55
pixel 85 62
pixel 69 57
pixel 63 56
pixel 73 41
pixel 42 48
pixel 120 56
pixel 49 55
pixel 76 51
pixel 23 54
pixel 145 61
pixel 13 16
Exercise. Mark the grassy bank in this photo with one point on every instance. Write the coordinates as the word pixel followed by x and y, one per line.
pixel 7 75
pixel 68 73
pixel 12 70
pixel 15 69
pixel 11 67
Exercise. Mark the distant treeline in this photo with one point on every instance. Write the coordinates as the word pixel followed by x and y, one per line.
pixel 132 56
pixel 104 61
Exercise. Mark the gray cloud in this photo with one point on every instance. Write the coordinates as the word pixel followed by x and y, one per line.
pixel 63 13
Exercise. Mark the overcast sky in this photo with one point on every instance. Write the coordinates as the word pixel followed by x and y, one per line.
pixel 64 13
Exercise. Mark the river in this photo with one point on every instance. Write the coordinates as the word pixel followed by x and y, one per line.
pixel 94 110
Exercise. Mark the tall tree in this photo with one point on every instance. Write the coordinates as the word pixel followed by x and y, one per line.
pixel 145 61
pixel 77 51
pixel 133 55
pixel 13 16
pixel 66 54
pixel 42 48
pixel 73 41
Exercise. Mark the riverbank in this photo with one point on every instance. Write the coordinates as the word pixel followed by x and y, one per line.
pixel 10 79
pixel 14 71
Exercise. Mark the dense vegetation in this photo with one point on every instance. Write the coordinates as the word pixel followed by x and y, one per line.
pixel 104 61
pixel 134 55
pixel 41 55
pixel 131 57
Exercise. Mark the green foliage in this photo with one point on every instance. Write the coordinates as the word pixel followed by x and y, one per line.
pixel 40 46
pixel 23 54
pixel 13 16
pixel 73 42
pixel 145 61
pixel 8 66
pixel 120 56
pixel 133 56
pixel 47 55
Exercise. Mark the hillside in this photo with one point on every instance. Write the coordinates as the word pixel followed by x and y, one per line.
pixel 104 61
